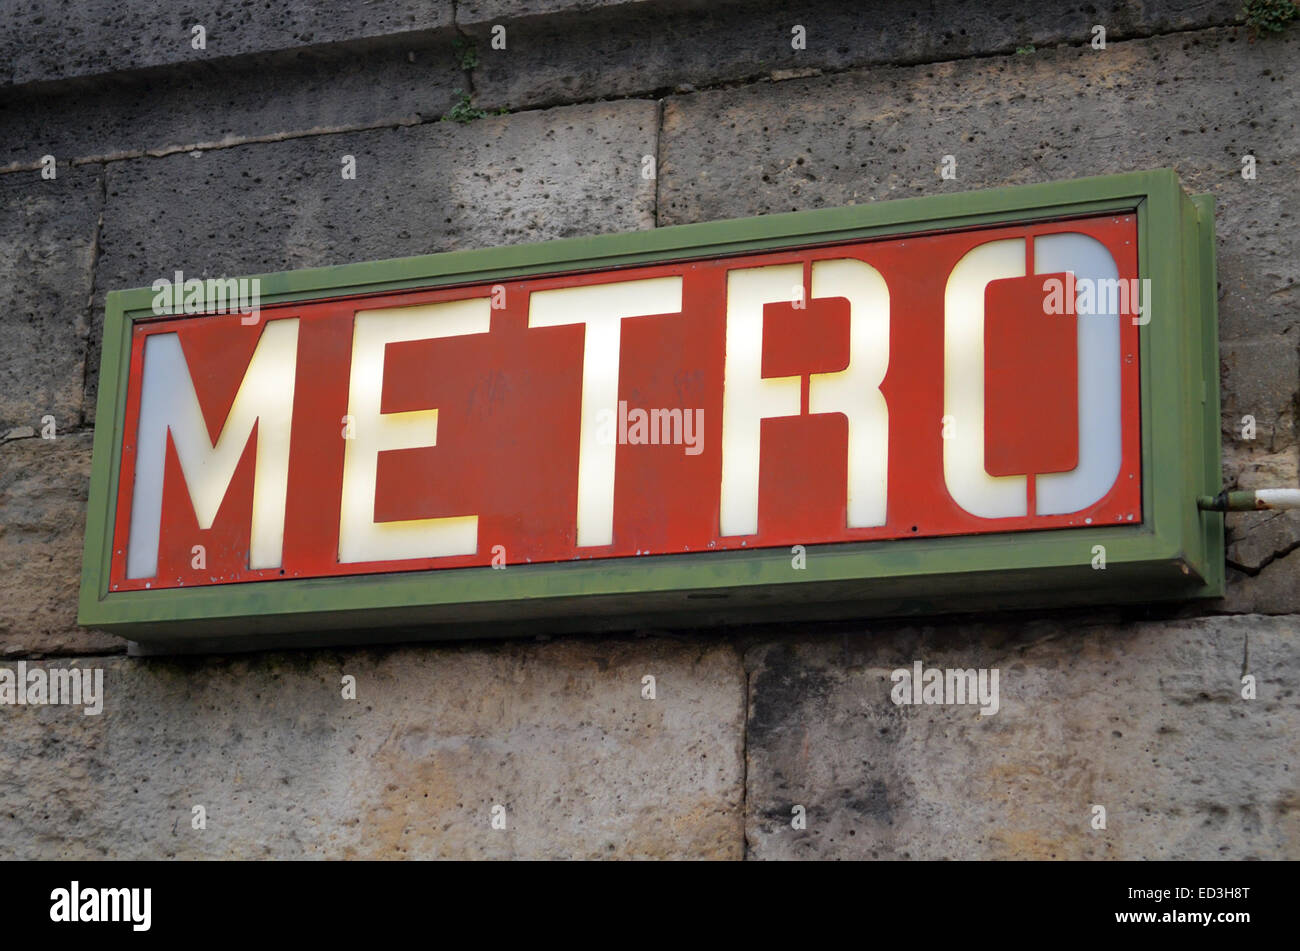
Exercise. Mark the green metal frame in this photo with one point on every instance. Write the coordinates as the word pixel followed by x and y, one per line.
pixel 1176 552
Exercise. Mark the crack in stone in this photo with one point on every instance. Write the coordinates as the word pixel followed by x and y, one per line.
pixel 84 330
pixel 1268 560
pixel 745 848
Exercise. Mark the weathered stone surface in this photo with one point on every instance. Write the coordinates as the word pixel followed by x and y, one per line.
pixel 368 67
pixel 438 187
pixel 482 11
pixel 46 40
pixel 43 485
pixel 1257 538
pixel 47 254
pixel 1055 114
pixel 1146 720
pixel 581 50
pixel 285 768
pixel 282 96
pixel 1273 587
pixel 1260 377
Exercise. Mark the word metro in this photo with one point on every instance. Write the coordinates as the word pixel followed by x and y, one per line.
pixel 889 389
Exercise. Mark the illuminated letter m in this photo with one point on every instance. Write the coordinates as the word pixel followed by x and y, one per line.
pixel 168 403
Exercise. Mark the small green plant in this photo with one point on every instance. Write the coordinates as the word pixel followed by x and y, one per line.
pixel 465 111
pixel 466 52
pixel 1024 50
pixel 1268 16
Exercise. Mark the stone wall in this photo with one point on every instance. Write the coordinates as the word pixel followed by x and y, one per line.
pixel 226 160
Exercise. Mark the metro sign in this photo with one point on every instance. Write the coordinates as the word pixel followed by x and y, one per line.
pixel 979 400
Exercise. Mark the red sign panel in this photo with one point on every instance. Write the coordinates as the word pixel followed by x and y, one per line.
pixel 943 384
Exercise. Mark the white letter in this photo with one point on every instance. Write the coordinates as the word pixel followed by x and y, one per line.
pixel 854 391
pixel 902 680
pixel 59 910
pixel 968 482
pixel 988 687
pixel 168 402
pixel 92 696
pixel 361 538
pixel 601 309
pixel 1100 444
pixel 747 397
pixel 142 901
